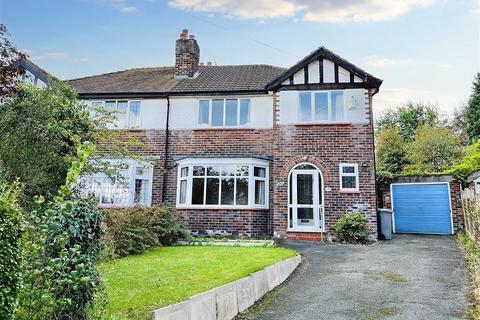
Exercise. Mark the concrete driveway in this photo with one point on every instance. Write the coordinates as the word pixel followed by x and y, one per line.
pixel 410 277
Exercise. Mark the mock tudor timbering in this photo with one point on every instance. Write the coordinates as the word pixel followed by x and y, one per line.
pixel 256 128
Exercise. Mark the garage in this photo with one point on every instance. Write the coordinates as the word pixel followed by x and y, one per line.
pixel 422 207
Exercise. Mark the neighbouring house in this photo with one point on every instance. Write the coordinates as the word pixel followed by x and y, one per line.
pixel 34 74
pixel 474 181
pixel 244 150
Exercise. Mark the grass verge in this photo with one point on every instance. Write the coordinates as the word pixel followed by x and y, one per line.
pixel 136 285
pixel 472 256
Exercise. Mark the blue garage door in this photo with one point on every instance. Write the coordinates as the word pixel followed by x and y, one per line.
pixel 421 208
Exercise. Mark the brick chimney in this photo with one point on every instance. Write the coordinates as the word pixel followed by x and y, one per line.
pixel 187 56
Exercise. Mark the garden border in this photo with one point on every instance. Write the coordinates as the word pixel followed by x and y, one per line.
pixel 225 302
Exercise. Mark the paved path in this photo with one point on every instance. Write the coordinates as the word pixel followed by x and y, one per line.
pixel 410 277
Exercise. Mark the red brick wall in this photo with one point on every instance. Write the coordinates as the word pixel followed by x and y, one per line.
pixel 326 146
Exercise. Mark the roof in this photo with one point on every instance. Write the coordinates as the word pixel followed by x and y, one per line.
pixel 138 80
pixel 230 78
pixel 474 176
pixel 323 52
pixel 160 80
pixel 36 70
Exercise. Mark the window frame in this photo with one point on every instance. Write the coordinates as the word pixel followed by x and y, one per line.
pixel 128 125
pixel 129 176
pixel 312 106
pixel 218 162
pixel 355 174
pixel 223 126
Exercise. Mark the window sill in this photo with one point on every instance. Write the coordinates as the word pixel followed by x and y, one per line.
pixel 232 208
pixel 222 128
pixel 113 206
pixel 304 230
pixel 324 123
pixel 349 191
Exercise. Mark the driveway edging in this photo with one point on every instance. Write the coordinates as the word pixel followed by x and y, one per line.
pixel 226 301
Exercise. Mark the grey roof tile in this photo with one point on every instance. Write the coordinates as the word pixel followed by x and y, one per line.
pixel 161 80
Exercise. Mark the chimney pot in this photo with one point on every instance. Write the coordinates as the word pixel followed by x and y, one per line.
pixel 201 64
pixel 192 36
pixel 209 63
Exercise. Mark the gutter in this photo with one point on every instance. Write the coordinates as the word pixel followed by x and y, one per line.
pixel 165 155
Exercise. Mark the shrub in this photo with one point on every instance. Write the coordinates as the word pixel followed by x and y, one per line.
pixel 61 277
pixel 135 230
pixel 351 228
pixel 11 249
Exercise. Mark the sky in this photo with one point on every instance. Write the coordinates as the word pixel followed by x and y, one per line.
pixel 424 50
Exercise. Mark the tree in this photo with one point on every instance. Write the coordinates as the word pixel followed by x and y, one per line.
pixel 469 164
pixel 40 130
pixel 407 118
pixel 459 124
pixel 472 111
pixel 10 72
pixel 433 150
pixel 390 155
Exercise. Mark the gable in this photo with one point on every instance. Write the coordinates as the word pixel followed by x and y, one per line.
pixel 323 69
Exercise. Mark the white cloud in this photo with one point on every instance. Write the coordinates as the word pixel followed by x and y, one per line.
pixel 331 11
pixel 247 9
pixel 128 9
pixel 382 62
pixel 360 11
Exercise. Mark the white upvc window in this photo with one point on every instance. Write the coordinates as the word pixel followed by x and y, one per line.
pixel 222 183
pixel 224 112
pixel 349 177
pixel 321 106
pixel 127 112
pixel 131 186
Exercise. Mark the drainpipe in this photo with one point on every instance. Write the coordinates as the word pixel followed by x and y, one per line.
pixel 165 155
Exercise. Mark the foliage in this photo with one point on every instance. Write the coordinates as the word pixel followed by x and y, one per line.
pixel 459 124
pixel 11 248
pixel 137 229
pixel 469 163
pixel 41 129
pixel 433 150
pixel 61 279
pixel 390 155
pixel 472 111
pixel 9 60
pixel 472 256
pixel 351 228
pixel 166 275
pixel 407 118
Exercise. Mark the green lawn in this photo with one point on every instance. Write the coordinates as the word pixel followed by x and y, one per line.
pixel 136 285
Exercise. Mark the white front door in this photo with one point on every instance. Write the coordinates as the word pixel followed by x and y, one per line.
pixel 307 211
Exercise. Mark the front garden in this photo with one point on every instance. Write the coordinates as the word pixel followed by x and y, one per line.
pixel 136 285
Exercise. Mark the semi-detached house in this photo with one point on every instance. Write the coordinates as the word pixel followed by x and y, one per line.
pixel 244 150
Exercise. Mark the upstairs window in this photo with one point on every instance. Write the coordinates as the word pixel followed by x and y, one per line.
pixel 222 183
pixel 321 106
pixel 224 112
pixel 127 112
pixel 349 177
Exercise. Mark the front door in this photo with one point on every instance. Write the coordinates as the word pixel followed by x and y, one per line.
pixel 306 209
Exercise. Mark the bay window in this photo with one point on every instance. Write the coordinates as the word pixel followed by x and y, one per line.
pixel 321 106
pixel 224 112
pixel 222 183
